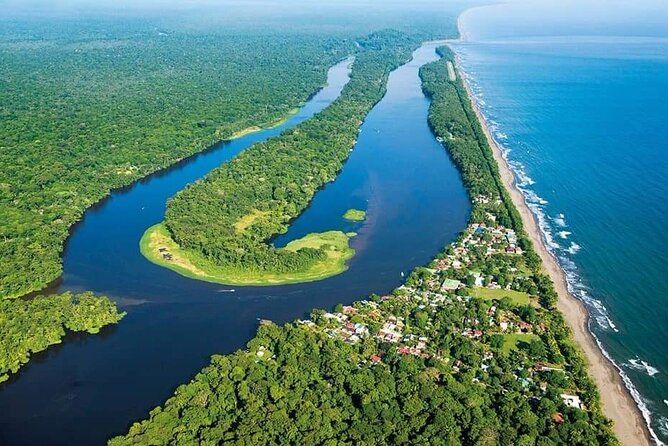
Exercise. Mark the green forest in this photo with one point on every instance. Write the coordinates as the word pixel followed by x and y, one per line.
pixel 29 326
pixel 92 101
pixel 80 117
pixel 428 364
pixel 95 102
pixel 228 216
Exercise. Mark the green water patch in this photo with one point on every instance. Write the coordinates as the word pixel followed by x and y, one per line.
pixel 355 215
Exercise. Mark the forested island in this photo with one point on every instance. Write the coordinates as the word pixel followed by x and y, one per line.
pixel 470 350
pixel 218 228
pixel 29 326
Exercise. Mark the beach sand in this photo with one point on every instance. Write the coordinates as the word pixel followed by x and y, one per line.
pixel 617 403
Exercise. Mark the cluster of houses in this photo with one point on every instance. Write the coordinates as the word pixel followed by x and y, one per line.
pixel 379 320
pixel 480 238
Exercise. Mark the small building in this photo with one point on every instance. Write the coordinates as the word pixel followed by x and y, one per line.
pixel 450 285
pixel 571 400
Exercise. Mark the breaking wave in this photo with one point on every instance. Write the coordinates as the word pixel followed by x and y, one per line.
pixel 643 366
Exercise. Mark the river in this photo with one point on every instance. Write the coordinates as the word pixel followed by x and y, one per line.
pixel 92 387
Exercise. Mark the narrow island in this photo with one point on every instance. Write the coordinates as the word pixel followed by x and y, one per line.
pixel 355 215
pixel 219 229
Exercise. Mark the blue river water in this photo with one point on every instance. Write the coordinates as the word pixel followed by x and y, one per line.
pixel 577 94
pixel 93 387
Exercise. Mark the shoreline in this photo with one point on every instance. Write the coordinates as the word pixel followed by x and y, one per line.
pixel 616 401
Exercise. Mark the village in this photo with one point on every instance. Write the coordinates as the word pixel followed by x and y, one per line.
pixel 490 316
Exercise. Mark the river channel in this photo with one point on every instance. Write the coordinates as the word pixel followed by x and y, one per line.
pixel 92 387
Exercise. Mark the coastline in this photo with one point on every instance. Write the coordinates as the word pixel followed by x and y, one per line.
pixel 616 400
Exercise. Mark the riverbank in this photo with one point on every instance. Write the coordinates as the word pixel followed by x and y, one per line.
pixel 616 401
pixel 271 125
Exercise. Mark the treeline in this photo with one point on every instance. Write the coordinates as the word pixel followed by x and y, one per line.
pixel 84 112
pixel 31 325
pixel 272 182
pixel 452 118
pixel 316 390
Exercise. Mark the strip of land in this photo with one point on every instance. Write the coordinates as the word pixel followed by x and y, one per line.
pixel 469 350
pixel 220 228
pixel 158 247
pixel 617 403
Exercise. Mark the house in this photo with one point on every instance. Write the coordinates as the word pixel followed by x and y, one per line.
pixel 347 309
pixel 558 417
pixel 571 400
pixel 376 359
pixel 450 285
pixel 524 327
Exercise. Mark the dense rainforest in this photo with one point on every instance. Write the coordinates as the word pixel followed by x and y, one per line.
pixel 80 117
pixel 31 325
pixel 93 99
pixel 468 351
pixel 270 183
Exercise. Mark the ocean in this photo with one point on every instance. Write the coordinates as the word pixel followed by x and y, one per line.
pixel 577 96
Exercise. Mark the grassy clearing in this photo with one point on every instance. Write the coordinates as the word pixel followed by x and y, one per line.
pixel 247 221
pixel 271 125
pixel 158 247
pixel 355 215
pixel 518 297
pixel 510 340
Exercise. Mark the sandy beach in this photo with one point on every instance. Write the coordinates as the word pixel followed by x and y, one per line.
pixel 617 402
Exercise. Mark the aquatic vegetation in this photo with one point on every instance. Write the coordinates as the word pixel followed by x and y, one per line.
pixel 355 215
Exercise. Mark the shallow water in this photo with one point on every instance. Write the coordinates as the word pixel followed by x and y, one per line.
pixel 92 387
pixel 579 98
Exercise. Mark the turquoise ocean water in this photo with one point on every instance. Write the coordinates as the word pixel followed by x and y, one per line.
pixel 578 97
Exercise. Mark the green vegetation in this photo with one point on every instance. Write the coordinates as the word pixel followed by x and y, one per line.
pixel 31 325
pixel 516 297
pixel 223 222
pixel 93 101
pixel 81 115
pixel 157 246
pixel 425 365
pixel 355 215
pixel 511 341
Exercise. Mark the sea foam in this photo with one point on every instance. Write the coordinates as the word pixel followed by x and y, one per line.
pixel 643 366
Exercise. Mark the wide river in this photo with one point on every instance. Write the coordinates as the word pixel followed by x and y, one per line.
pixel 92 387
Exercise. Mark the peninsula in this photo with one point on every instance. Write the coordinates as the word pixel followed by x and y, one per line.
pixel 218 228
pixel 617 403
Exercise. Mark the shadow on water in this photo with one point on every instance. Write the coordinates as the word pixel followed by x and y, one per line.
pixel 86 391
